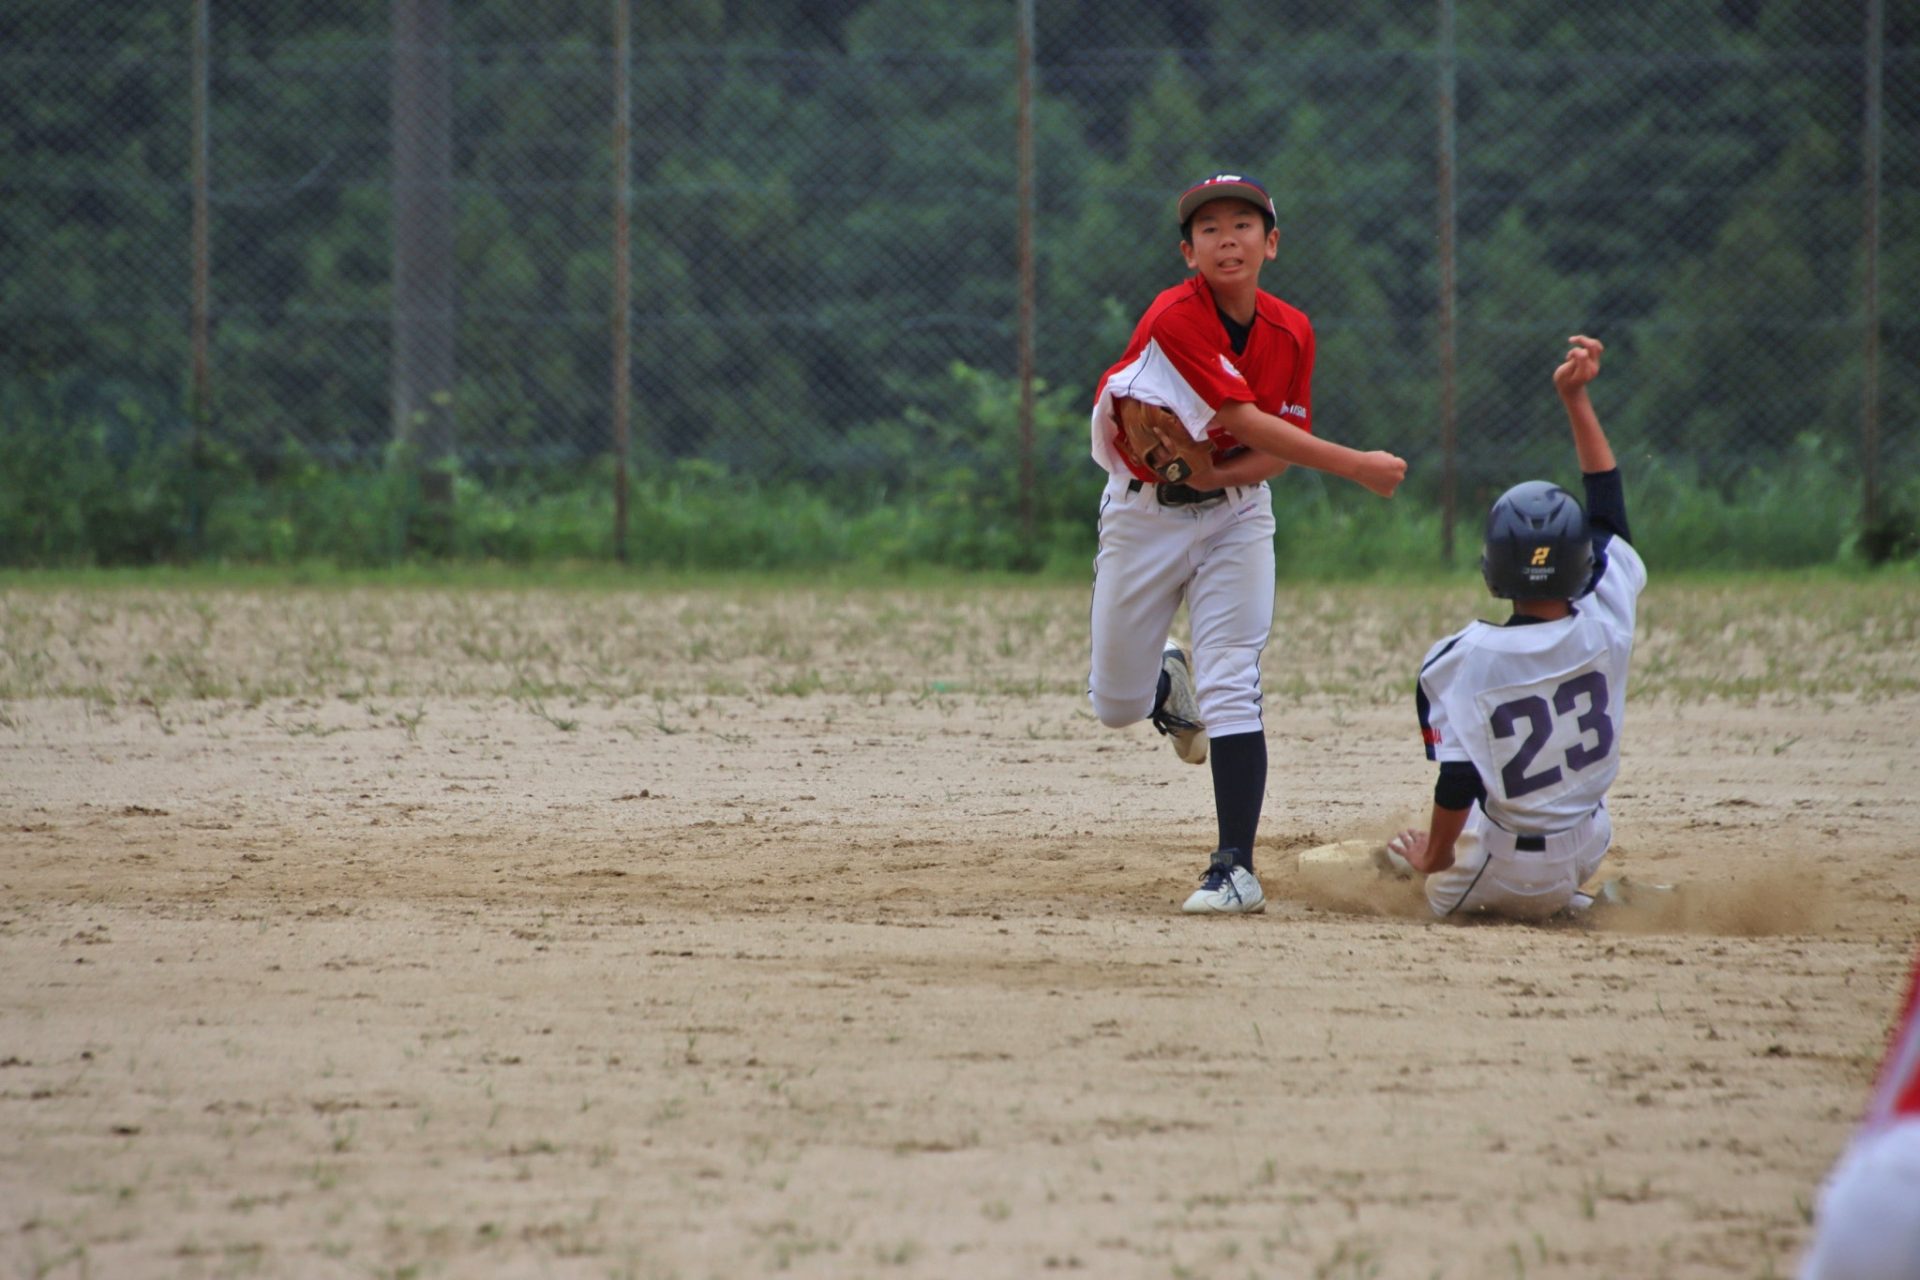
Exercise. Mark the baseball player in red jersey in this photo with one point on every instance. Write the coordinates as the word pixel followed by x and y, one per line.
pixel 1868 1225
pixel 1234 364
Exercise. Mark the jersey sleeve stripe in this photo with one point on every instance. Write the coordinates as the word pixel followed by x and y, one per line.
pixel 1438 654
pixel 1424 708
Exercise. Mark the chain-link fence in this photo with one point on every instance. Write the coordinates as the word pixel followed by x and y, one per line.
pixel 320 226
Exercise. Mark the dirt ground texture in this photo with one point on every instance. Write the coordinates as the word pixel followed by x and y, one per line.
pixel 713 931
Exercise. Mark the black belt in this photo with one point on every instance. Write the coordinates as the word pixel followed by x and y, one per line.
pixel 1180 495
pixel 1533 844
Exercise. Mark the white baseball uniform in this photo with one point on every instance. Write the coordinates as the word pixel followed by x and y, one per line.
pixel 1537 709
pixel 1868 1223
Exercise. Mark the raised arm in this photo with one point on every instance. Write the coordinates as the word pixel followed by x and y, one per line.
pixel 1581 366
pixel 1606 500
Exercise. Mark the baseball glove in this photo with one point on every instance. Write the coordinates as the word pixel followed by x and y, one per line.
pixel 1158 440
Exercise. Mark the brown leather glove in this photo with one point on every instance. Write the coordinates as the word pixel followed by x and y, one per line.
pixel 1158 440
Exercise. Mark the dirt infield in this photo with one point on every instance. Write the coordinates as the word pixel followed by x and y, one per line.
pixel 723 932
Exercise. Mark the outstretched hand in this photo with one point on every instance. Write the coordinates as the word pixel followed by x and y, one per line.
pixel 1410 847
pixel 1581 366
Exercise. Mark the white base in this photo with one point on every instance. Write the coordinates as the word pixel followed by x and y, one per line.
pixel 1340 854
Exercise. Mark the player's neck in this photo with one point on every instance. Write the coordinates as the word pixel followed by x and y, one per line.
pixel 1545 610
pixel 1236 301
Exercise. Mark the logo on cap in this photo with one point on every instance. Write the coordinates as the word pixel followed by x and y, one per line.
pixel 1224 186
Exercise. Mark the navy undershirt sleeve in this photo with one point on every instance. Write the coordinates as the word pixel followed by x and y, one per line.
pixel 1606 504
pixel 1458 785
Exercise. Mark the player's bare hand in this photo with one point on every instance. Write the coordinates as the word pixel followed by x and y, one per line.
pixel 1380 472
pixel 1580 366
pixel 1410 847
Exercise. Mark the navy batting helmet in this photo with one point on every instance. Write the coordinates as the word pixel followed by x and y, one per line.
pixel 1538 546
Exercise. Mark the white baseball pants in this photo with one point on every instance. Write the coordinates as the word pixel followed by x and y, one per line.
pixel 1220 559
pixel 1496 872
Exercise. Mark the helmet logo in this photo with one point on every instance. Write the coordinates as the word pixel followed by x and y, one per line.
pixel 1540 555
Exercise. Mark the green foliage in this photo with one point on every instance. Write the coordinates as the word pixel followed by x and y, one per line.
pixel 111 485
pixel 1327 530
pixel 824 201
pixel 962 455
pixel 1805 512
pixel 122 489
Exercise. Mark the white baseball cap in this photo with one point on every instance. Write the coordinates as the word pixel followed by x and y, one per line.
pixel 1225 186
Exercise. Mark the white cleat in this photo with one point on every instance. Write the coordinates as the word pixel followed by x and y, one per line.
pixel 1179 716
pixel 1226 890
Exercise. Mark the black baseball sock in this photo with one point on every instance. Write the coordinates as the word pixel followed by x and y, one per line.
pixel 1239 788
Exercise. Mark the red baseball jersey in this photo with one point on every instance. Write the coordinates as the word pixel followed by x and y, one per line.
pixel 1896 1095
pixel 1181 358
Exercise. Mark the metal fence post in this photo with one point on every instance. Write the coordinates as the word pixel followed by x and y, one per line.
pixel 1026 340
pixel 1447 216
pixel 1870 408
pixel 200 386
pixel 423 266
pixel 622 269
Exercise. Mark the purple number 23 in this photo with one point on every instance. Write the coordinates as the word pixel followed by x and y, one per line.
pixel 1533 709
